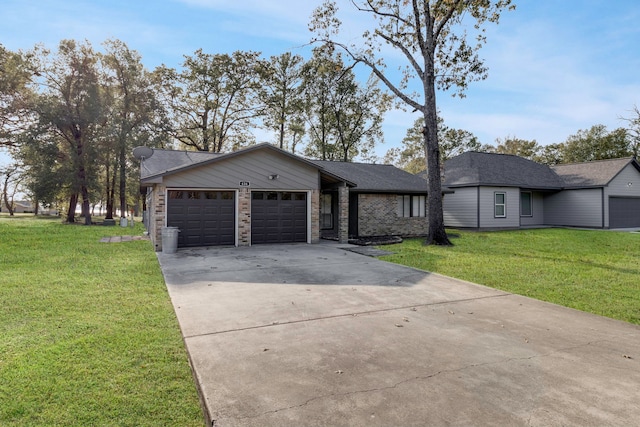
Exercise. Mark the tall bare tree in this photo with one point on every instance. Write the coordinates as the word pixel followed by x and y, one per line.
pixel 433 38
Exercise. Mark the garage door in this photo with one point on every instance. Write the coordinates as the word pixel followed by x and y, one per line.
pixel 624 212
pixel 278 217
pixel 205 218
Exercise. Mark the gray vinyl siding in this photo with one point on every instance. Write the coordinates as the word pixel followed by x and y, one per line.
pixel 487 205
pixel 574 208
pixel 537 209
pixel 255 168
pixel 619 187
pixel 461 208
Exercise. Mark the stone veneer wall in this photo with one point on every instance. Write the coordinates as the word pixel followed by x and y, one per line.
pixel 378 216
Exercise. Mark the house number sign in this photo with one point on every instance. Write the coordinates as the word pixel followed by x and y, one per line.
pixel 244 183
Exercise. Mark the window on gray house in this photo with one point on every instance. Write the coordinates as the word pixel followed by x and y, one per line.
pixel 525 204
pixel 500 205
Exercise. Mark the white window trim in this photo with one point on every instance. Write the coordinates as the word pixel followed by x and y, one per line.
pixel 496 204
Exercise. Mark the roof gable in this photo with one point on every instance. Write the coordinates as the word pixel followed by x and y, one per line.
pixel 366 177
pixel 167 162
pixel 475 169
pixel 597 173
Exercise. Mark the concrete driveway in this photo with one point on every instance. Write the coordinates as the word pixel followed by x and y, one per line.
pixel 295 335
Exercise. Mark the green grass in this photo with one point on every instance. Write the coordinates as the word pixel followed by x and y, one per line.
pixel 89 336
pixel 594 271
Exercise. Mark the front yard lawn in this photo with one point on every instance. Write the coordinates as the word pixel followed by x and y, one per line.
pixel 595 271
pixel 89 336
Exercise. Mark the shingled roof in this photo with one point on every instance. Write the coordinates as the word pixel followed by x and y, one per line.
pixel 592 174
pixel 365 177
pixel 164 161
pixel 374 177
pixel 474 169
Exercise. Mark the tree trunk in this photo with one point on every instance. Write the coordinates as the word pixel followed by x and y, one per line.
pixel 84 190
pixel 5 196
pixel 123 181
pixel 282 119
pixel 86 206
pixel 8 204
pixel 71 212
pixel 111 183
pixel 436 233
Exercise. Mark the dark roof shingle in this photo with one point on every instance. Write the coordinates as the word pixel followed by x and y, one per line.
pixel 375 177
pixel 366 177
pixel 591 174
pixel 475 168
pixel 163 161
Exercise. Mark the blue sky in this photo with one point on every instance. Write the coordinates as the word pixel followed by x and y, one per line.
pixel 555 67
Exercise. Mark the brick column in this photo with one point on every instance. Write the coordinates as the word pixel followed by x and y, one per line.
pixel 244 217
pixel 315 216
pixel 159 213
pixel 343 216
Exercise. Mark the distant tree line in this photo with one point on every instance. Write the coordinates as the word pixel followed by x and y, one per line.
pixel 595 143
pixel 71 117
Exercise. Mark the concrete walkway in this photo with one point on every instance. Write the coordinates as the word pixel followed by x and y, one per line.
pixel 296 335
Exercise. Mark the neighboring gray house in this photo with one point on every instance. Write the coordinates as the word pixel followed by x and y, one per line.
pixel 486 190
pixel 19 206
pixel 262 194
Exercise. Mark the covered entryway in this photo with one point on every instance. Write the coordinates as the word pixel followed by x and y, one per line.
pixel 278 217
pixel 205 218
pixel 624 212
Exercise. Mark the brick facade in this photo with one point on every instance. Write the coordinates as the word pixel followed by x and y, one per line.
pixel 156 205
pixel 315 216
pixel 244 217
pixel 343 214
pixel 378 215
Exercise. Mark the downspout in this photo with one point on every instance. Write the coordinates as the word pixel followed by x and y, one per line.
pixel 602 192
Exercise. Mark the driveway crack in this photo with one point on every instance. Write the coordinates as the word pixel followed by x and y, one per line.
pixel 407 380
pixel 412 379
pixel 351 314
